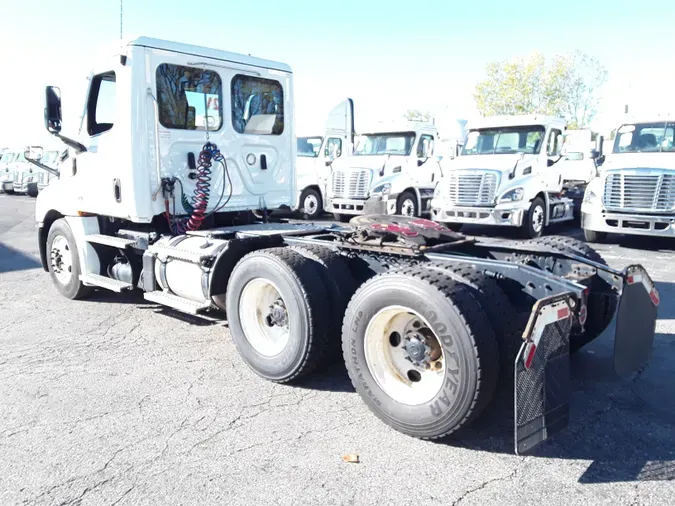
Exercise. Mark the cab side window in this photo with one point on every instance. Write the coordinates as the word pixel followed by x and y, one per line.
pixel 333 148
pixel 101 103
pixel 425 148
pixel 555 142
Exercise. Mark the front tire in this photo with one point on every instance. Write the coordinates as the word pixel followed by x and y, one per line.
pixel 534 220
pixel 32 190
pixel 593 236
pixel 276 303
pixel 63 261
pixel 407 205
pixel 343 218
pixel 312 204
pixel 450 373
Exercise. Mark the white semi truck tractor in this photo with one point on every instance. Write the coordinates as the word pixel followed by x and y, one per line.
pixel 392 170
pixel 511 172
pixel 315 155
pixel 179 143
pixel 635 191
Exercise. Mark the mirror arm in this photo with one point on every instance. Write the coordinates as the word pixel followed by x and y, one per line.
pixel 70 143
pixel 55 172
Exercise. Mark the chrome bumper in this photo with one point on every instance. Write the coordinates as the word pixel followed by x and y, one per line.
pixel 346 206
pixel 502 215
pixel 633 224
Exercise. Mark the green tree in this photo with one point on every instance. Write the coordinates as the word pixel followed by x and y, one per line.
pixel 565 85
pixel 417 115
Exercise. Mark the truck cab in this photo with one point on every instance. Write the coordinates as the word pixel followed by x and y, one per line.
pixel 392 170
pixel 316 153
pixel 509 173
pixel 635 190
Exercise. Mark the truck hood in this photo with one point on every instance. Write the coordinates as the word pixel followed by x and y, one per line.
pixel 370 162
pixel 502 163
pixel 639 161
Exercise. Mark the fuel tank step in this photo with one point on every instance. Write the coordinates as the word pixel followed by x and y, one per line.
pixel 179 303
pixel 110 240
pixel 105 282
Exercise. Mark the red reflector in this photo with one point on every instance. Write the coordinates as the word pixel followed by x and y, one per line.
pixel 563 313
pixel 583 314
pixel 654 295
pixel 630 280
pixel 529 354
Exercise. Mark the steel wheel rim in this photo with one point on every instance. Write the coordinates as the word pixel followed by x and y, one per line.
pixel 61 259
pixel 403 379
pixel 311 204
pixel 537 218
pixel 258 298
pixel 408 208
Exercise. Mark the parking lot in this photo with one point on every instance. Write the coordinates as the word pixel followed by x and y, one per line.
pixel 116 401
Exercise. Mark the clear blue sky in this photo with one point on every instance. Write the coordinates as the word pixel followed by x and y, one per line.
pixel 387 56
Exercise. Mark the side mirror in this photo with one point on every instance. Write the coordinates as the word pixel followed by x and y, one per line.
pixel 53 109
pixel 595 154
pixel 421 161
pixel 33 153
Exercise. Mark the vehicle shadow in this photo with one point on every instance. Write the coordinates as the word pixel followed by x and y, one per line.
pixel 643 242
pixel 626 427
pixel 12 260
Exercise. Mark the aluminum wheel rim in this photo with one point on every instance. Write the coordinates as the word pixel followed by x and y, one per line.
pixel 61 259
pixel 311 204
pixel 537 218
pixel 255 309
pixel 408 208
pixel 401 378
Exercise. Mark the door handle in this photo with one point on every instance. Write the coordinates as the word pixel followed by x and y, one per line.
pixel 117 190
pixel 263 162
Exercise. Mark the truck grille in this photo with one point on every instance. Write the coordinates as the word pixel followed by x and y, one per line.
pixel 42 177
pixel 639 192
pixel 472 188
pixel 351 184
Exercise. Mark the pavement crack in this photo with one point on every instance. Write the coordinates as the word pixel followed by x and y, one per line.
pixel 484 484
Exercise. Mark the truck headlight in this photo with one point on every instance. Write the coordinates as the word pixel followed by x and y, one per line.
pixel 590 197
pixel 515 195
pixel 382 189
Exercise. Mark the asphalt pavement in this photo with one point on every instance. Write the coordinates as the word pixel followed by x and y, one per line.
pixel 117 401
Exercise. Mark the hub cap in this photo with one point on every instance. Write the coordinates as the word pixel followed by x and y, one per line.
pixel 311 204
pixel 264 317
pixel 537 218
pixel 408 208
pixel 404 356
pixel 61 260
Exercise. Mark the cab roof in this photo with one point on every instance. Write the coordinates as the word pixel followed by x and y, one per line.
pixel 515 120
pixel 397 126
pixel 216 54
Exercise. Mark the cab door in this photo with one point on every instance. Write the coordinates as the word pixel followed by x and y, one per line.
pixel 426 169
pixel 551 161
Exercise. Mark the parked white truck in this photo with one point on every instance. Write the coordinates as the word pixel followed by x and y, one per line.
pixel 179 143
pixel 392 170
pixel 315 155
pixel 635 191
pixel 510 172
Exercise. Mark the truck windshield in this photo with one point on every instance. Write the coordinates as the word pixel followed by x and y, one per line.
pixel 399 143
pixel 7 157
pixel 507 140
pixel 309 146
pixel 645 137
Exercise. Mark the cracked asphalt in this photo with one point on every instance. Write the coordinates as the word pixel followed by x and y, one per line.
pixel 117 401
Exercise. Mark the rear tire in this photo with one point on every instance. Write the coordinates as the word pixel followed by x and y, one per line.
pixel 276 304
pixel 593 236
pixel 534 219
pixel 344 218
pixel 601 308
pixel 312 204
pixel 63 261
pixel 339 283
pixel 448 396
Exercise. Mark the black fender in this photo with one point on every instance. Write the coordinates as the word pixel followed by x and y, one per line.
pixel 228 257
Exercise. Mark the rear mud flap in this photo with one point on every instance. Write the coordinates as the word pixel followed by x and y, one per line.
pixel 542 373
pixel 635 321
